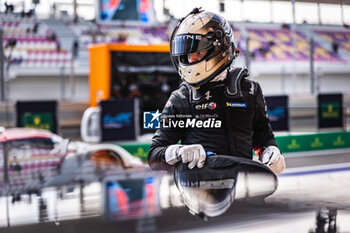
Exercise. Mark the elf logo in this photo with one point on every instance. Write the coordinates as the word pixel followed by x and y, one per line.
pixel 210 106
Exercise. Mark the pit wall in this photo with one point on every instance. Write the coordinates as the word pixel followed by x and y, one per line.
pixel 287 143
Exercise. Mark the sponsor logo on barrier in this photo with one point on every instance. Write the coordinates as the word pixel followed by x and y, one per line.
pixel 277 113
pixel 38 120
pixel 293 145
pixel 338 142
pixel 330 110
pixel 316 143
pixel 118 121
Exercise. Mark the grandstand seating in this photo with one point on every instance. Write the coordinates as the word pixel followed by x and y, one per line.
pixel 134 34
pixel 266 44
pixel 112 33
pixel 238 38
pixel 270 44
pixel 339 37
pixel 35 46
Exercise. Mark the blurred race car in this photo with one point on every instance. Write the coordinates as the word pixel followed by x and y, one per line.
pixel 38 158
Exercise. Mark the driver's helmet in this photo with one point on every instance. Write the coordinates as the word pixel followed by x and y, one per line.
pixel 202 46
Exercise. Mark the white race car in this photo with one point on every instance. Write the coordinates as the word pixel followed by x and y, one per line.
pixel 31 159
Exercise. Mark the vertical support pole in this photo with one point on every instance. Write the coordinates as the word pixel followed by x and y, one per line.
pixel 319 13
pixel 247 53
pixel 283 80
pixel 293 32
pixel 2 61
pixel 311 60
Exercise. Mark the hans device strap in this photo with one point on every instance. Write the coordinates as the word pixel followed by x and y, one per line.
pixel 234 79
pixel 233 85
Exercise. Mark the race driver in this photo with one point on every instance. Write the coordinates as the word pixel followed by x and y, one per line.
pixel 216 109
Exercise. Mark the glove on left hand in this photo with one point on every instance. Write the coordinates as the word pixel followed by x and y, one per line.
pixel 273 158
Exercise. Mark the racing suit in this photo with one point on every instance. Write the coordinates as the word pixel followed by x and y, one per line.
pixel 226 117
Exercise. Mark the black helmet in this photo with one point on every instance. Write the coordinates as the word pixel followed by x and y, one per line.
pixel 207 34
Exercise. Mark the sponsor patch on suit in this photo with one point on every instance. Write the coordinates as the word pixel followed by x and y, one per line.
pixel 236 105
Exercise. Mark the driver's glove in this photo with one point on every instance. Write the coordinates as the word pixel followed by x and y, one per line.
pixel 273 158
pixel 192 154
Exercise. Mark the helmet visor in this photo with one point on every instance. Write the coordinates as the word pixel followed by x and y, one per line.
pixel 189 43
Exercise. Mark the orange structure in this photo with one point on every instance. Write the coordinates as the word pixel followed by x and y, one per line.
pixel 101 66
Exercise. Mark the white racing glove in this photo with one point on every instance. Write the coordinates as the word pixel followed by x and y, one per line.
pixel 192 154
pixel 273 158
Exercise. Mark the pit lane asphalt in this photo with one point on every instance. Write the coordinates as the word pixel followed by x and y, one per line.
pixel 292 208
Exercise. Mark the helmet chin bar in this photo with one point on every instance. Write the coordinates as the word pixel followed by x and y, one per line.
pixel 206 69
pixel 197 85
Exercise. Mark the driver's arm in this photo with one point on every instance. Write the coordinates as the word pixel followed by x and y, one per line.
pixel 263 138
pixel 164 137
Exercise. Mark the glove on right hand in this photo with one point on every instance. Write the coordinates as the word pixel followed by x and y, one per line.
pixel 192 154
